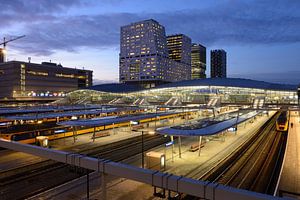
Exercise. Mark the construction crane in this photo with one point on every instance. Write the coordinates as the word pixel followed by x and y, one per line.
pixel 3 51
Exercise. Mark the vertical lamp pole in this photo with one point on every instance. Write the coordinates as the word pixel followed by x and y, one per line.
pixel 298 93
pixel 142 149
pixel 87 185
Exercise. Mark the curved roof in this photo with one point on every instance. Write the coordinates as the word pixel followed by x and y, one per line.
pixel 229 82
pixel 208 130
pixel 116 87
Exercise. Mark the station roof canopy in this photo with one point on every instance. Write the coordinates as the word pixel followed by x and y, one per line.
pixel 208 130
pixel 116 87
pixel 113 120
pixel 6 111
pixel 52 115
pixel 226 82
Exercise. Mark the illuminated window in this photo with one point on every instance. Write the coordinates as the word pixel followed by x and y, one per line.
pixel 65 75
pixel 37 73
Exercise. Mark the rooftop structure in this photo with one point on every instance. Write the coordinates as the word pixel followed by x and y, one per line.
pixel 46 81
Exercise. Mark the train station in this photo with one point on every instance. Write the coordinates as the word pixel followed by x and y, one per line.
pixel 193 129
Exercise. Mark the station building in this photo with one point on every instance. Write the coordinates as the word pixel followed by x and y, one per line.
pixel 46 81
pixel 190 92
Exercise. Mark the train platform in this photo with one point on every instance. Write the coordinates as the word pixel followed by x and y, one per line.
pixel 289 184
pixel 214 150
pixel 115 135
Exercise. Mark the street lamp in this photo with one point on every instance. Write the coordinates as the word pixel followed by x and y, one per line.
pixel 142 149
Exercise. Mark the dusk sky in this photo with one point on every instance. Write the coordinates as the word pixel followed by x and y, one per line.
pixel 262 38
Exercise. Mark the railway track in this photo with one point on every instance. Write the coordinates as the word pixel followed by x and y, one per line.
pixel 33 179
pixel 254 165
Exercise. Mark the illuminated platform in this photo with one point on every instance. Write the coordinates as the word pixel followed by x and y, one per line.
pixel 289 185
pixel 113 120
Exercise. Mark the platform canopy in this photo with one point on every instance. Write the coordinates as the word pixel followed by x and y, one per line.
pixel 55 115
pixel 113 120
pixel 52 115
pixel 213 129
pixel 51 108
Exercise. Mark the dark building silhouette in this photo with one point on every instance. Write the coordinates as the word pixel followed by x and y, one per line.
pixel 218 63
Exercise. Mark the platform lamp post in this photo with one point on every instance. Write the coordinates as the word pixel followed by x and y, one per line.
pixel 142 149
pixel 237 119
pixel 298 93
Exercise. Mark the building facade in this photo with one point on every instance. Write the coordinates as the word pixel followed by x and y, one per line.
pixel 179 48
pixel 46 81
pixel 144 58
pixel 218 63
pixel 198 61
pixel 2 55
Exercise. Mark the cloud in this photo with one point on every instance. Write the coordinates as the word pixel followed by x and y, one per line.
pixel 228 23
pixel 37 7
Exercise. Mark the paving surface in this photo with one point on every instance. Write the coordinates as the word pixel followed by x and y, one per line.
pixel 289 185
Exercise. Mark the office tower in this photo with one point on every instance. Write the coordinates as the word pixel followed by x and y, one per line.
pixel 2 55
pixel 198 56
pixel 218 63
pixel 144 56
pixel 179 48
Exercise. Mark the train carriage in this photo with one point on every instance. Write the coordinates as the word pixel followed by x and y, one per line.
pixel 282 122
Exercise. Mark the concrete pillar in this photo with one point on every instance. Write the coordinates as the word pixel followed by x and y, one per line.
pixel 94 134
pixel 172 139
pixel 114 128
pixel 74 133
pixel 200 140
pixel 179 139
pixel 103 185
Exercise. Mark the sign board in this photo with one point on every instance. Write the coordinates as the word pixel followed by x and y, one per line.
pixel 134 123
pixel 169 143
pixel 232 129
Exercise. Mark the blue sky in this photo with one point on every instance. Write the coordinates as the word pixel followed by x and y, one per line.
pixel 262 38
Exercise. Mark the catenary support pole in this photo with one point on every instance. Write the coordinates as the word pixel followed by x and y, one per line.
pixel 179 139
pixel 200 140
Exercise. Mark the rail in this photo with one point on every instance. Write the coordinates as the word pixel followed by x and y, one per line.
pixel 155 178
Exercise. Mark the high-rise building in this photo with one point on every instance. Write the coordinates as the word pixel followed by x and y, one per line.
pixel 218 63
pixel 144 58
pixel 2 55
pixel 198 56
pixel 179 48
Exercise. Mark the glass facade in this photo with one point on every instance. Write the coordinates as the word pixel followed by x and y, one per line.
pixel 190 95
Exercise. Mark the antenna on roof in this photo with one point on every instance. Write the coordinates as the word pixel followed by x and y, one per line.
pixel 29 59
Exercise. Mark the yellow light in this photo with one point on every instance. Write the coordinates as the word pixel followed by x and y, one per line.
pixel 4 51
pixel 151 132
pixel 40 121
